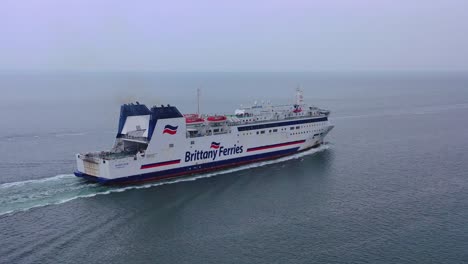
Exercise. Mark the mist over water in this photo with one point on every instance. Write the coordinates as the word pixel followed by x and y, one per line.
pixel 389 186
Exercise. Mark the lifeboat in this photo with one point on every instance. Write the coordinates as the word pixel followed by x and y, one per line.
pixel 193 119
pixel 216 119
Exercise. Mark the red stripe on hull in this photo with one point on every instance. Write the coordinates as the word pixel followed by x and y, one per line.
pixel 167 163
pixel 276 146
pixel 176 175
pixel 202 170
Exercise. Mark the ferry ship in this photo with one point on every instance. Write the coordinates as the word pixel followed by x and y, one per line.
pixel 161 143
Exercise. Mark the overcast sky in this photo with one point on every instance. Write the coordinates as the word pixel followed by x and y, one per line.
pixel 240 35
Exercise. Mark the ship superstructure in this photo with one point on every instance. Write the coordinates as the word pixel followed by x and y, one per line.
pixel 161 143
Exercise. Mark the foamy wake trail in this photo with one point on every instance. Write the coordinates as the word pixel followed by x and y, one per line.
pixel 25 195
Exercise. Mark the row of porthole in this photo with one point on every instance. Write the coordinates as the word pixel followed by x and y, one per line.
pixel 250 120
pixel 270 131
pixel 276 130
pixel 299 133
pixel 308 131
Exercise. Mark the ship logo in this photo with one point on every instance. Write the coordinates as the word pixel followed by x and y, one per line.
pixel 215 145
pixel 171 130
pixel 297 109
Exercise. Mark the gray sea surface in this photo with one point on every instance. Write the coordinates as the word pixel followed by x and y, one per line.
pixel 390 185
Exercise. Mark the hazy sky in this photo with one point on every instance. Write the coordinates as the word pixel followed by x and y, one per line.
pixel 240 35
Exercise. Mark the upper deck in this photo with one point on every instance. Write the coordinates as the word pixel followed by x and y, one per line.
pixel 138 123
pixel 253 116
pixel 268 113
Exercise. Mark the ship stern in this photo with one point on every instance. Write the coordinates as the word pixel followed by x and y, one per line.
pixel 91 168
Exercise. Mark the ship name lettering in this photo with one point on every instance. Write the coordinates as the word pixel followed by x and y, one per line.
pixel 212 154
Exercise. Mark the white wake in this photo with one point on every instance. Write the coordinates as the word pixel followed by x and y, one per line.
pixel 25 195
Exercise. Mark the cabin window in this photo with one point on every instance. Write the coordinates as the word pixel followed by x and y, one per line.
pixel 292 128
pixel 171 145
pixel 216 130
pixel 192 142
pixel 263 132
pixel 275 130
pixel 298 127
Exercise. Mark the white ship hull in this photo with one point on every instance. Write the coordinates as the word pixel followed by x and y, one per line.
pixel 169 148
pixel 185 158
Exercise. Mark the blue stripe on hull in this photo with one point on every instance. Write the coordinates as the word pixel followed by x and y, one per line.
pixel 172 173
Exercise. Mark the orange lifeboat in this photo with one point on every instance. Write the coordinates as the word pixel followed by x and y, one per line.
pixel 217 119
pixel 193 119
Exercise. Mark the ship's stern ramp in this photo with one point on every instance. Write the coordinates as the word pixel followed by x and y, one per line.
pixel 137 124
pixel 91 165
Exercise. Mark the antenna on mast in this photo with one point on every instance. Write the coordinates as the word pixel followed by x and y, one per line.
pixel 198 100
pixel 299 96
